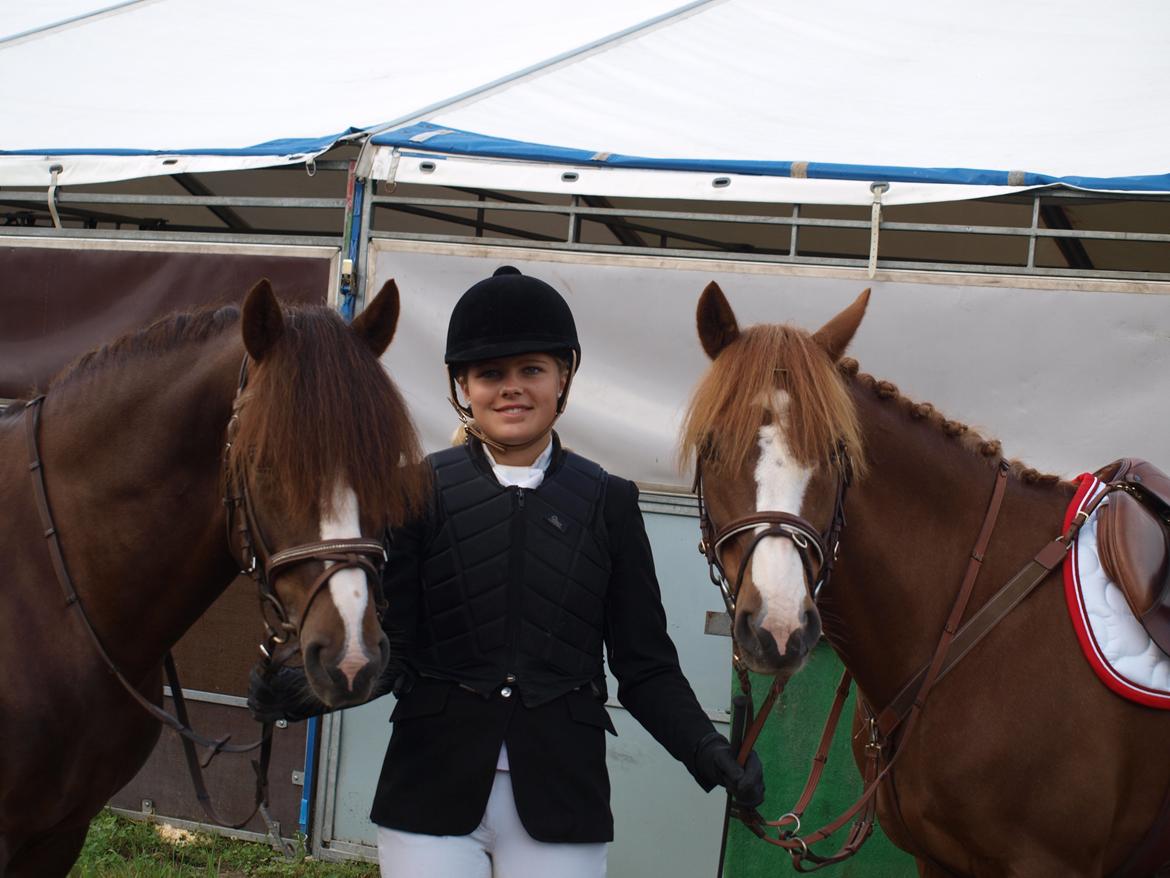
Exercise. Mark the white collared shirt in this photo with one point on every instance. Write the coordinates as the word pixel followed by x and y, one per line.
pixel 522 476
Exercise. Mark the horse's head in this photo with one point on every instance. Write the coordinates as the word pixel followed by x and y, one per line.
pixel 772 429
pixel 324 458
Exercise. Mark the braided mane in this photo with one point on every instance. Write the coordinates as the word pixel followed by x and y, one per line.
pixel 960 432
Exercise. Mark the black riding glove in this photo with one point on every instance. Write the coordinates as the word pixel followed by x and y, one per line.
pixel 715 765
pixel 283 694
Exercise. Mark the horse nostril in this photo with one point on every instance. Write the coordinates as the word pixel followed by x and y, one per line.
pixel 747 627
pixel 810 622
pixel 312 653
pixel 797 646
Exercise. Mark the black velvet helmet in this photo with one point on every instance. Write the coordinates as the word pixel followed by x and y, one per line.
pixel 510 313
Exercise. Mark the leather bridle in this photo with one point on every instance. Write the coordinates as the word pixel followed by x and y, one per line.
pixel 248 546
pixel 817 551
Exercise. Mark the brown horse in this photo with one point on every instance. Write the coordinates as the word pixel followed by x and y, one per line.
pixel 132 444
pixel 1021 762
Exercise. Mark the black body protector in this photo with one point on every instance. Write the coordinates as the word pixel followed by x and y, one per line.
pixel 514 580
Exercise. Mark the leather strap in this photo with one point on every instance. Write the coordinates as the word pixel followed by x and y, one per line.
pixel 259 562
pixel 954 643
pixel 874 773
pixel 179 723
pixel 775 523
pixel 1006 599
pixel 195 766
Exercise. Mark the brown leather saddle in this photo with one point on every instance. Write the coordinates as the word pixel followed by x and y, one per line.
pixel 1133 541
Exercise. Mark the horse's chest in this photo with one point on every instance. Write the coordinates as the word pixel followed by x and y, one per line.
pixel 71 744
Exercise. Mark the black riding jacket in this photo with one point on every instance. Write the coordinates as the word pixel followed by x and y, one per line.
pixel 501 600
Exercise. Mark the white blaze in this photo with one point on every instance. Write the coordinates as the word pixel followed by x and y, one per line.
pixel 781 483
pixel 347 587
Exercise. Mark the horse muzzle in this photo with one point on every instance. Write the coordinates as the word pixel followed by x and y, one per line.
pixel 758 646
pixel 343 679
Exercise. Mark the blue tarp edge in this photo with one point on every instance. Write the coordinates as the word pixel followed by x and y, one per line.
pixel 428 136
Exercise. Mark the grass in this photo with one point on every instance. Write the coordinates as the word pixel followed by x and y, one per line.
pixel 118 847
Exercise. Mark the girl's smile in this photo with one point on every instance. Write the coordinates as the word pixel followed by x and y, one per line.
pixel 514 402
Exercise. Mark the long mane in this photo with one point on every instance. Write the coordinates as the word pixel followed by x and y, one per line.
pixel 320 409
pixel 730 402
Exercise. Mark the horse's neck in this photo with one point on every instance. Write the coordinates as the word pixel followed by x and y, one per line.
pixel 912 525
pixel 132 464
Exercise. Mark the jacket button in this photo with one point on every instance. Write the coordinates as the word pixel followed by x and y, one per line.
pixel 511 678
pixel 506 692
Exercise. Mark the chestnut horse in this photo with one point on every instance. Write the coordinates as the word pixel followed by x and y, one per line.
pixel 1021 762
pixel 132 449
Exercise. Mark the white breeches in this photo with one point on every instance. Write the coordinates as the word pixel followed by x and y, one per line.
pixel 500 847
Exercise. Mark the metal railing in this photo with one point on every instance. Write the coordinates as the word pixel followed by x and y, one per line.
pixel 693 233
pixel 1047 240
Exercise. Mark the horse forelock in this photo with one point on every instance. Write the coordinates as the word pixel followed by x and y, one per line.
pixel 320 411
pixel 734 398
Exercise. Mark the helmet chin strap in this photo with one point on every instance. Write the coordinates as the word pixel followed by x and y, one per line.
pixel 468 420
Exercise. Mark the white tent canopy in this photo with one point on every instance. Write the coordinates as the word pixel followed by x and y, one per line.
pixel 739 99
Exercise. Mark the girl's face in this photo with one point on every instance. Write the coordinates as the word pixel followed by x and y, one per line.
pixel 514 401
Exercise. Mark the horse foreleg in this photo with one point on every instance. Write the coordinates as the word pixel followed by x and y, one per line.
pixel 49 855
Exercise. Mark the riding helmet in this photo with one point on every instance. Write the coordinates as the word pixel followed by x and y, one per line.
pixel 510 313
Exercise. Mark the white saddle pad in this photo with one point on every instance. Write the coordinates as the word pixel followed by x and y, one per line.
pixel 1117 646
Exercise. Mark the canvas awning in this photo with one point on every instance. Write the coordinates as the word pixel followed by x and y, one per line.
pixel 741 100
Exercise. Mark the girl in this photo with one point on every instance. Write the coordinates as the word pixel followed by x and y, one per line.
pixel 529 560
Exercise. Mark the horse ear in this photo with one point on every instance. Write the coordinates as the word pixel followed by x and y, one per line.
pixel 716 321
pixel 377 322
pixel 835 335
pixel 262 324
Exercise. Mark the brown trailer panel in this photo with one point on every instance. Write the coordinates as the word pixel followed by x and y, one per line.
pixel 57 302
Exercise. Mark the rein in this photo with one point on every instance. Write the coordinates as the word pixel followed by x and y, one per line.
pixel 954 643
pixel 190 738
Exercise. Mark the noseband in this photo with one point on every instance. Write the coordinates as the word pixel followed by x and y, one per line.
pixel 817 551
pixel 246 540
